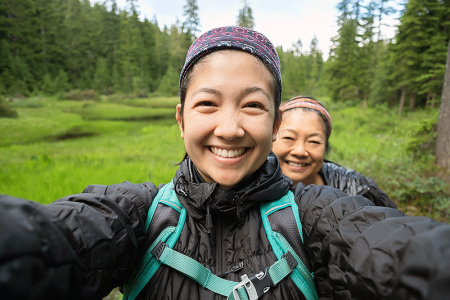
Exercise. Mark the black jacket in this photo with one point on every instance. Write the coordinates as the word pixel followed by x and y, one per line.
pixel 354 183
pixel 82 246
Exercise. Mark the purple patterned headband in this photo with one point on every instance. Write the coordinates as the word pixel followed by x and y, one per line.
pixel 237 38
pixel 306 102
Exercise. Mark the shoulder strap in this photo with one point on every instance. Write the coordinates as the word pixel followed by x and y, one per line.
pixel 161 252
pixel 148 265
pixel 286 206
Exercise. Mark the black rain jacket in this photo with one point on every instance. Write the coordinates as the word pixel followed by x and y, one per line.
pixel 82 246
pixel 354 183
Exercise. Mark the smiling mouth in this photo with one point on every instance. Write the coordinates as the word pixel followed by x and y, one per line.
pixel 298 165
pixel 227 153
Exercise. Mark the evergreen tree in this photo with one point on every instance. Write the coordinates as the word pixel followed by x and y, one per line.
pixel 168 85
pixel 342 62
pixel 61 82
pixel 101 78
pixel 245 17
pixel 192 21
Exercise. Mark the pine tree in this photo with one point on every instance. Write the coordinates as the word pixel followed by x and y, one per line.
pixel 342 62
pixel 245 17
pixel 192 21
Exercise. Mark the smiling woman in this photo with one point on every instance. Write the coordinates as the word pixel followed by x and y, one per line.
pixel 229 106
pixel 302 145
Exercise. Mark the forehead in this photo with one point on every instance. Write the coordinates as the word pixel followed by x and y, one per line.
pixel 299 119
pixel 241 61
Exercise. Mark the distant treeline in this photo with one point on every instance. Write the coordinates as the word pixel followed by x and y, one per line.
pixel 364 67
pixel 55 46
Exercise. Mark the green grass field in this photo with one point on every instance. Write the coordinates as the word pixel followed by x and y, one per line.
pixel 56 148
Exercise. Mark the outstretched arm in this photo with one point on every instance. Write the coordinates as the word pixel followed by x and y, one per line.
pixel 362 251
pixel 79 247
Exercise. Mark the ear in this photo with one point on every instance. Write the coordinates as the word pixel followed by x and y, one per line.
pixel 180 120
pixel 276 127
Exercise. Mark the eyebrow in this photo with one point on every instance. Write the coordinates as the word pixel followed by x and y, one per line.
pixel 209 91
pixel 309 135
pixel 245 91
pixel 254 89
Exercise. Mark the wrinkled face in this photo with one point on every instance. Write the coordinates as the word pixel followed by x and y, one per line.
pixel 300 146
pixel 227 122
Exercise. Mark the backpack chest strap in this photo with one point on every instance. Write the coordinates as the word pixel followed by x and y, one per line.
pixel 248 289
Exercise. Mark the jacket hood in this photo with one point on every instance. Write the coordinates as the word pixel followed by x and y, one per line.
pixel 266 184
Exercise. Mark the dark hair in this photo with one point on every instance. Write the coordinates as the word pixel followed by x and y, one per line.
pixel 324 122
pixel 185 83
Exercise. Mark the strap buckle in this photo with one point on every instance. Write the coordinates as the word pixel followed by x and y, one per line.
pixel 159 249
pixel 256 286
pixel 249 287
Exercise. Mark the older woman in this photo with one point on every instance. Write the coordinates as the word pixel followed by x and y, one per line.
pixel 302 145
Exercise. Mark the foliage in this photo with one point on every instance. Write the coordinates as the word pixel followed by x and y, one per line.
pixel 394 151
pixel 301 71
pixel 192 22
pixel 80 95
pixel 364 67
pixel 53 47
pixel 6 111
pixel 245 17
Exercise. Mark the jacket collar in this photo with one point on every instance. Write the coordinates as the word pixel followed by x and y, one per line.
pixel 266 184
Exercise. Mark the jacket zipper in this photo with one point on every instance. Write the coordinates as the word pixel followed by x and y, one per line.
pixel 218 250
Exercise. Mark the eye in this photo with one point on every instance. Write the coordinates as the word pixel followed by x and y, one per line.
pixel 315 142
pixel 205 103
pixel 255 105
pixel 288 138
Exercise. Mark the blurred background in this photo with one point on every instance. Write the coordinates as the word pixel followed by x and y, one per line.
pixel 88 89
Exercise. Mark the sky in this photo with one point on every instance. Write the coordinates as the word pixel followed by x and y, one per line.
pixel 284 22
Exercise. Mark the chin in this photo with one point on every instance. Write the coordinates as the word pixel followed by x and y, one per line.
pixel 228 182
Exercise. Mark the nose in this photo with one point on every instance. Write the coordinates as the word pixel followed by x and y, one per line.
pixel 299 149
pixel 229 125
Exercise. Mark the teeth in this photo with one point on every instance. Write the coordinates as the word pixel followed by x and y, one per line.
pixel 227 153
pixel 295 164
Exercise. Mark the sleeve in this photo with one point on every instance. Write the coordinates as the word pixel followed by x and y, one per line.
pixel 79 247
pixel 363 251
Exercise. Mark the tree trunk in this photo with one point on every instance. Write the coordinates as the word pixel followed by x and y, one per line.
pixel 443 125
pixel 364 102
pixel 412 101
pixel 392 100
pixel 433 100
pixel 402 100
pixel 427 102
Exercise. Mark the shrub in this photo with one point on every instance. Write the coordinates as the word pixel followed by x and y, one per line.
pixel 80 95
pixel 6 111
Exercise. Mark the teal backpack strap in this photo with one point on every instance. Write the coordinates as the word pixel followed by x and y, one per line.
pixel 249 288
pixel 301 276
pixel 148 264
pixel 161 252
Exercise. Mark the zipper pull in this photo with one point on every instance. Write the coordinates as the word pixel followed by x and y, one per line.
pixel 209 224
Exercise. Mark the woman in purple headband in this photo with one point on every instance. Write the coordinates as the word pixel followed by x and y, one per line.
pixel 228 226
pixel 302 145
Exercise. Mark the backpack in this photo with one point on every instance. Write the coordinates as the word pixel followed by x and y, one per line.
pixel 171 217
